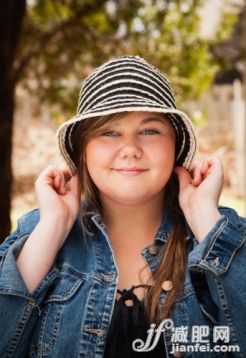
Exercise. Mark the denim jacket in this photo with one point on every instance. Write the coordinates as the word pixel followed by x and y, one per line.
pixel 69 313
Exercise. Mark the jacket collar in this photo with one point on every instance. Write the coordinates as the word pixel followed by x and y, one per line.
pixel 162 233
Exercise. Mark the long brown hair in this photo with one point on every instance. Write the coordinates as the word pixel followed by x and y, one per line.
pixel 173 261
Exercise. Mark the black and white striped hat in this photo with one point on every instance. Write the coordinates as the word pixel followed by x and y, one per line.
pixel 128 84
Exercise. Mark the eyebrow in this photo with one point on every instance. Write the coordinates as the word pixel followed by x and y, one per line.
pixel 153 119
pixel 146 120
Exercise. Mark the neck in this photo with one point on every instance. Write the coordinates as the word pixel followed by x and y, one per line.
pixel 128 222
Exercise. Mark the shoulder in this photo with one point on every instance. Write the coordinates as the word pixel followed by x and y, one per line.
pixel 26 225
pixel 28 221
pixel 230 221
pixel 232 215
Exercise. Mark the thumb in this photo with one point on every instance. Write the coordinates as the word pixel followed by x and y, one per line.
pixel 74 185
pixel 184 177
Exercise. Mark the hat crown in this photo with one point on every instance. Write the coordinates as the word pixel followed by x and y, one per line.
pixel 128 84
pixel 123 81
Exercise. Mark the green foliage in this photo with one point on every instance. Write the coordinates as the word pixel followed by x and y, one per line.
pixel 63 40
pixel 228 21
pixel 170 38
pixel 227 46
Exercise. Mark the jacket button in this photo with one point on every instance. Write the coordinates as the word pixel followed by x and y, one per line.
pixel 167 285
pixel 107 278
pixel 215 262
pixel 153 250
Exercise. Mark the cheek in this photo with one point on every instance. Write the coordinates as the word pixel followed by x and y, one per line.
pixel 164 153
pixel 98 156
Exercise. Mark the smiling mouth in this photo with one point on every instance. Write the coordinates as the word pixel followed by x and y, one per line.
pixel 130 171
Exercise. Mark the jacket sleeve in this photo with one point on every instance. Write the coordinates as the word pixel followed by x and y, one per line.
pixel 221 257
pixel 19 308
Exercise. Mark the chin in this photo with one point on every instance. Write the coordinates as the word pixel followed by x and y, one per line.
pixel 132 200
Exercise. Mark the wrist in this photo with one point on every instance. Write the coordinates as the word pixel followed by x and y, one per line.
pixel 55 223
pixel 194 211
pixel 202 219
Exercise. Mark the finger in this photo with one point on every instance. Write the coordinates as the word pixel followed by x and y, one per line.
pixel 213 161
pixel 65 177
pixel 57 181
pixel 62 188
pixel 50 176
pixel 67 174
pixel 74 185
pixel 212 164
pixel 197 176
pixel 205 169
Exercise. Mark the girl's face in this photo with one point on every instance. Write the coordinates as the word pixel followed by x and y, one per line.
pixel 131 161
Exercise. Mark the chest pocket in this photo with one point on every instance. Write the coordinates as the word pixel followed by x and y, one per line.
pixel 60 295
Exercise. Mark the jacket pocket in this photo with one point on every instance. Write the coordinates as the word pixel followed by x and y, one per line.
pixel 57 299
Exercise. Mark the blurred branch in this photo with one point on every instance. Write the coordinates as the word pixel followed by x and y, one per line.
pixel 47 37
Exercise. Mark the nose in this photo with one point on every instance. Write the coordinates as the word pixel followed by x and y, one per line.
pixel 131 148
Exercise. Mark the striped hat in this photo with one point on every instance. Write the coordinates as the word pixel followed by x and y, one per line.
pixel 128 84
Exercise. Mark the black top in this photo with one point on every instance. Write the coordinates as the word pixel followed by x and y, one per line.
pixel 129 323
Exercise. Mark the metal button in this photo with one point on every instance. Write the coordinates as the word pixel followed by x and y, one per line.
pixel 107 278
pixel 98 332
pixel 129 303
pixel 153 250
pixel 215 262
pixel 167 285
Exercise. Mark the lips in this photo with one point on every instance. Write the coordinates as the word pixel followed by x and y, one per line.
pixel 131 170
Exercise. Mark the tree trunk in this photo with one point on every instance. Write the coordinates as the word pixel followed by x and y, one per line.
pixel 11 18
pixel 6 120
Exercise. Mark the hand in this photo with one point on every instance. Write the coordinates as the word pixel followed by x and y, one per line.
pixel 58 196
pixel 202 185
pixel 199 194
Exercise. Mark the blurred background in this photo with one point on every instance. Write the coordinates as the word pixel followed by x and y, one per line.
pixel 48 47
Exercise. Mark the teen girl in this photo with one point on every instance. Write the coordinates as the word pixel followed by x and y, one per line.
pixel 128 247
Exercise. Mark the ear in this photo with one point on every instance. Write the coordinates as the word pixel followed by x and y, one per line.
pixel 184 177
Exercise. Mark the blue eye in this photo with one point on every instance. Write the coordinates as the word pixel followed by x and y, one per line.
pixel 110 134
pixel 151 131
